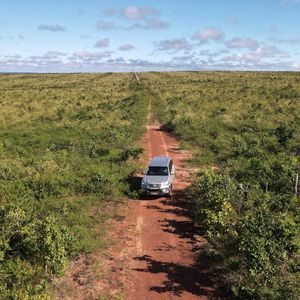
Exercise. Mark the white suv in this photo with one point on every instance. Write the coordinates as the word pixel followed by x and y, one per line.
pixel 159 177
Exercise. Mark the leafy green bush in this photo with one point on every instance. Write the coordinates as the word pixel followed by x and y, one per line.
pixel 213 208
pixel 256 242
pixel 31 249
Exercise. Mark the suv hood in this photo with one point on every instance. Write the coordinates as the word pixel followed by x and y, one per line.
pixel 150 179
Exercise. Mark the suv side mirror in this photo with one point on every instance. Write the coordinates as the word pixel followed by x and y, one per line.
pixel 143 172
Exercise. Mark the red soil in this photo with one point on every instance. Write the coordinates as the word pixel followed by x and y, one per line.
pixel 161 257
pixel 156 253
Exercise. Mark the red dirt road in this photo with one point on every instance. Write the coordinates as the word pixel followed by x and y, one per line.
pixel 156 253
pixel 161 256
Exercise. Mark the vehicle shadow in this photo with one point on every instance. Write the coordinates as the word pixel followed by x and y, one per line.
pixel 134 182
pixel 199 279
pixel 180 204
pixel 202 278
pixel 203 275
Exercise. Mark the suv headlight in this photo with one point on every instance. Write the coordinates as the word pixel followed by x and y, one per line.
pixel 165 184
pixel 144 184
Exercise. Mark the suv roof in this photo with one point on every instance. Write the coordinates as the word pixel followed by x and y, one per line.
pixel 160 161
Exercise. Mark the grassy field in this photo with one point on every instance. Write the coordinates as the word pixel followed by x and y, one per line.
pixel 68 145
pixel 243 129
pixel 67 148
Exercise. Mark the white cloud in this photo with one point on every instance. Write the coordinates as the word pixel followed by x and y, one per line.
pixel 209 34
pixel 126 47
pixel 103 25
pixel 19 36
pixel 290 41
pixel 140 17
pixel 296 66
pixel 242 43
pixel 184 58
pixel 53 54
pixel 209 54
pixel 153 24
pixel 90 56
pixel 156 24
pixel 257 56
pixel 103 43
pixel 15 56
pixel 51 27
pixel 172 45
pixel 270 51
pixel 136 13
pixel 148 24
pixel 84 61
pixel 132 12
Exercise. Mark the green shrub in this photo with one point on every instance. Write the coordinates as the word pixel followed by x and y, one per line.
pixel 213 196
pixel 246 127
pixel 30 250
pixel 256 242
pixel 68 145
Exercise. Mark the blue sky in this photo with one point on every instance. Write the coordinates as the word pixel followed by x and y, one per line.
pixel 97 36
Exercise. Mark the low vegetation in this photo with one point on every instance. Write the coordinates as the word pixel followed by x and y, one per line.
pixel 244 131
pixel 67 147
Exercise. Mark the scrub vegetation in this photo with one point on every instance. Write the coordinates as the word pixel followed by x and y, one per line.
pixel 244 131
pixel 67 148
pixel 68 145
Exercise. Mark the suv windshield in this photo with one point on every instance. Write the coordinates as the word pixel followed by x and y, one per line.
pixel 158 171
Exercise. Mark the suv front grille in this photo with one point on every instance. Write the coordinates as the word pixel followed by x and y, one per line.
pixel 154 186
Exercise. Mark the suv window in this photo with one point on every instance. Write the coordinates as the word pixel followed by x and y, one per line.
pixel 170 165
pixel 158 171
